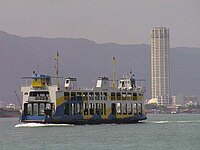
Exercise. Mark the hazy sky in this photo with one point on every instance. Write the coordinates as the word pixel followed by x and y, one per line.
pixel 119 21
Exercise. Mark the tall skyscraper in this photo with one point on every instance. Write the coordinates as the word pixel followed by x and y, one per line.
pixel 160 65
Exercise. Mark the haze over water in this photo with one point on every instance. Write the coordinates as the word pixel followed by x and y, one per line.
pixel 159 132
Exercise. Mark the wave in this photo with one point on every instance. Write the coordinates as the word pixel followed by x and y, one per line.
pixel 33 125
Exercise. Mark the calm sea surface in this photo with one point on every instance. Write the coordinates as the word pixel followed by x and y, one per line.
pixel 159 132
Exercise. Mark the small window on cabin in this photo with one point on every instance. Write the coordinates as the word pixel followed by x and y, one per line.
pixel 85 96
pixel 118 96
pixel 26 93
pixel 105 94
pixel 79 94
pixel 73 95
pixel 123 96
pixel 97 96
pixel 66 93
pixel 134 96
pixel 129 96
pixel 112 96
pixel 91 96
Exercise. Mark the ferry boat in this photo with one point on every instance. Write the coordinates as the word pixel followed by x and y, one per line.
pixel 45 102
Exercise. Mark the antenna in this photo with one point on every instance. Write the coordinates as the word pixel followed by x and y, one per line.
pixel 56 58
pixel 113 72
pixel 18 99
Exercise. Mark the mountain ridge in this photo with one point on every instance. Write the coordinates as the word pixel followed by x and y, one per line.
pixel 86 60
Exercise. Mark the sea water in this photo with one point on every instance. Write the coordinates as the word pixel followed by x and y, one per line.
pixel 158 132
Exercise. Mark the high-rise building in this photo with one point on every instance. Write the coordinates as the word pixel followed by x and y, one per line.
pixel 160 65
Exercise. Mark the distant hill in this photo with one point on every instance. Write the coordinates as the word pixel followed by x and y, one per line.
pixel 87 60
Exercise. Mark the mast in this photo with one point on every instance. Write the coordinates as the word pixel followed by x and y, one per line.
pixel 56 58
pixel 113 72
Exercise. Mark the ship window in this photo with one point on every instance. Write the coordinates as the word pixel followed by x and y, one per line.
pixel 91 96
pixel 91 109
pixel 97 108
pixel 140 108
pixel 136 108
pixel 123 96
pixel 124 109
pixel 79 108
pixel 104 109
pixel 130 109
pixel 66 95
pixel 134 96
pixel 29 109
pixel 73 95
pixel 48 106
pixel 101 108
pixel 67 109
pixel 118 96
pixel 41 109
pixel 35 109
pixel 85 96
pixel 97 97
pixel 129 96
pixel 73 108
pixel 85 107
pixel 113 109
pixel 105 96
pixel 112 96
pixel 118 108
pixel 79 96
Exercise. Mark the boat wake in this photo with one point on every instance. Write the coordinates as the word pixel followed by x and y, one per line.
pixel 34 125
pixel 165 122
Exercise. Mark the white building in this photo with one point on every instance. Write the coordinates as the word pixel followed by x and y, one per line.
pixel 160 65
